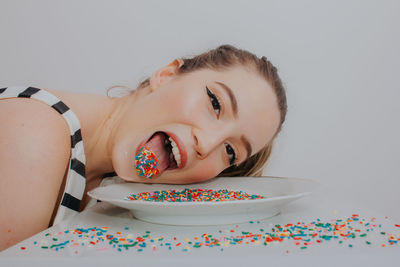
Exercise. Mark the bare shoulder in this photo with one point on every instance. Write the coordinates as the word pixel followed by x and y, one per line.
pixel 34 155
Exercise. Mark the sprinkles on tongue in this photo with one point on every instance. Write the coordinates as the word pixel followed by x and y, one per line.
pixel 146 163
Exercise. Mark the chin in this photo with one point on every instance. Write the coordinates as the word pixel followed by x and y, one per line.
pixel 121 161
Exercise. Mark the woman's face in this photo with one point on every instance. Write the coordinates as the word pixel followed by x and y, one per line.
pixel 215 118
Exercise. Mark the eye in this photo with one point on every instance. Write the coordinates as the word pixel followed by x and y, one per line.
pixel 214 101
pixel 231 154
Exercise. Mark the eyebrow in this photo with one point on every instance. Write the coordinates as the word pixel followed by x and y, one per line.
pixel 232 97
pixel 246 145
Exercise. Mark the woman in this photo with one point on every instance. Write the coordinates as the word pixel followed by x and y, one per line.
pixel 215 114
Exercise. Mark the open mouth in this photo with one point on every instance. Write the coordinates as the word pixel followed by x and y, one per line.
pixel 172 154
pixel 165 150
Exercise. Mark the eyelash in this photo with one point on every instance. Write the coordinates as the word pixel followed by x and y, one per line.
pixel 214 101
pixel 232 159
pixel 217 106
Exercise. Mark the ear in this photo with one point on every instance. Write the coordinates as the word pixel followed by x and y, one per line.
pixel 165 74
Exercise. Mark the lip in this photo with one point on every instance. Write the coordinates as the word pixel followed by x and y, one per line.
pixel 177 141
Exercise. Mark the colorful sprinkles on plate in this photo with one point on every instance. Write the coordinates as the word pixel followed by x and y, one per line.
pixel 193 195
pixel 146 163
pixel 302 236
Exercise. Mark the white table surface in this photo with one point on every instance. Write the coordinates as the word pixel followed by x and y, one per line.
pixel 326 204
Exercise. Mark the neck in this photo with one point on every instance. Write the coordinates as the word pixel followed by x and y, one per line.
pixel 98 116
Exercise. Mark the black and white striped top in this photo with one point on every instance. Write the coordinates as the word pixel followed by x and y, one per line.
pixel 76 179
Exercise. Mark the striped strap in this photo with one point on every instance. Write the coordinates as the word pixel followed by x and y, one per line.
pixel 76 179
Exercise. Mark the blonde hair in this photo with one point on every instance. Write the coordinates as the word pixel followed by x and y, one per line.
pixel 221 58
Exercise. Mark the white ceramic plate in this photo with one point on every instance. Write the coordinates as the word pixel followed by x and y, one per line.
pixel 276 190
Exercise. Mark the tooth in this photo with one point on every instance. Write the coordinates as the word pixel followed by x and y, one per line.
pixel 178 160
pixel 173 144
pixel 175 151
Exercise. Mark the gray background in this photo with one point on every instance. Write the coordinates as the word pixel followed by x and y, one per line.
pixel 338 60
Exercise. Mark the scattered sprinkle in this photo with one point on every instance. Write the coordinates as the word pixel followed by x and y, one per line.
pixel 303 236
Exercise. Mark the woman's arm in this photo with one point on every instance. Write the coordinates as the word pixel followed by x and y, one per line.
pixel 34 155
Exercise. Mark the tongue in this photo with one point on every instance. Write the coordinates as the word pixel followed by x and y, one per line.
pixel 157 146
pixel 152 158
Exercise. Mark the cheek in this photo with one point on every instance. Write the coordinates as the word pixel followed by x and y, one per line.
pixel 187 107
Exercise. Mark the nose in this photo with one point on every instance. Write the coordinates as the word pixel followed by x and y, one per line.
pixel 206 141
